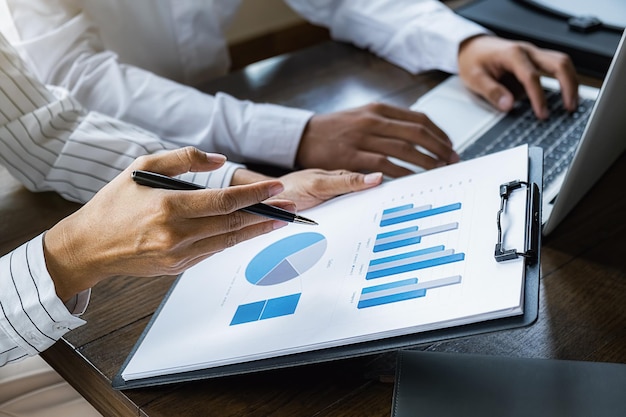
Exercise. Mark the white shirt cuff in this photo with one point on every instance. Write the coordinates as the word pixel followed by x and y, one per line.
pixel 272 135
pixel 34 316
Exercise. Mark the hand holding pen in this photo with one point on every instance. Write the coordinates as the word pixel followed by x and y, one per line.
pixel 130 230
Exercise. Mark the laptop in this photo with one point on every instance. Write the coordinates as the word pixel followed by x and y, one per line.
pixel 578 147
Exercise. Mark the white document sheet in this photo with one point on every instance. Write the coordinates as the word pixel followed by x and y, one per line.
pixel 411 255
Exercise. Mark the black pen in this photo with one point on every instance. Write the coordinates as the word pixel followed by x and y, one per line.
pixel 155 180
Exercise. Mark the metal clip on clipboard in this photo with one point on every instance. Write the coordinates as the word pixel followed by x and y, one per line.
pixel 531 239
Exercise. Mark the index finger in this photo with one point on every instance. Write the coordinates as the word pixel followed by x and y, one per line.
pixel 179 161
pixel 217 202
pixel 408 115
pixel 527 72
pixel 559 66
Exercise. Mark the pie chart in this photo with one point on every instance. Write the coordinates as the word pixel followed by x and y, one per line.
pixel 286 259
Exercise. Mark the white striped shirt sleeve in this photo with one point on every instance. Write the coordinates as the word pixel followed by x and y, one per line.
pixel 49 142
pixel 32 317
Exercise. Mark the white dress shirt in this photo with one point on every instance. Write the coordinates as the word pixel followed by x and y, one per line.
pixel 50 143
pixel 118 57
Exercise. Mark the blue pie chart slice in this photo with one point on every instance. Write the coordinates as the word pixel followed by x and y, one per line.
pixel 286 259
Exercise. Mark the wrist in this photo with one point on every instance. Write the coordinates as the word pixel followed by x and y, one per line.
pixel 306 147
pixel 65 264
pixel 467 41
pixel 244 176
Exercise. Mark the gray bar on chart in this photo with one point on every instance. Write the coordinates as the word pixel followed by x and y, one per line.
pixel 435 283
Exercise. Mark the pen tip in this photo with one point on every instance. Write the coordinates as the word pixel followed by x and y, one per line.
pixel 304 220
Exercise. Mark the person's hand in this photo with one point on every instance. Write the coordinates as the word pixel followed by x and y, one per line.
pixel 311 187
pixel 362 139
pixel 133 230
pixel 485 61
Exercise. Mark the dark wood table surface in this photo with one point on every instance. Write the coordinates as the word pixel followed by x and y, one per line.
pixel 582 312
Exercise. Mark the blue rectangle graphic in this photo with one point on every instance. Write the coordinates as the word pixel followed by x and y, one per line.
pixel 281 306
pixel 266 309
pixel 248 312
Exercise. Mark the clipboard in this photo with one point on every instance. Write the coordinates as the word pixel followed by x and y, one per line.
pixel 529 255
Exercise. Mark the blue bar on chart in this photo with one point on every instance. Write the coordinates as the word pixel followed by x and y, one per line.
pixel 403 290
pixel 408 212
pixel 266 309
pixel 408 236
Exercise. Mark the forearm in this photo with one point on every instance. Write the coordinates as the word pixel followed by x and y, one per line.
pixel 416 35
pixel 51 143
pixel 70 54
pixel 242 130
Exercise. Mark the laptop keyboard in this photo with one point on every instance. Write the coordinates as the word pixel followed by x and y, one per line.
pixel 558 136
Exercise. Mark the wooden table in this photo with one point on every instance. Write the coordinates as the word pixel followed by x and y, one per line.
pixel 583 286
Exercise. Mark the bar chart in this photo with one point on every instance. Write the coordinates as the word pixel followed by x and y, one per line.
pixel 397 250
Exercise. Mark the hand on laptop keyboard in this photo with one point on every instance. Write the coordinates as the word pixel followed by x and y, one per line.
pixel 558 135
pixel 363 139
pixel 484 60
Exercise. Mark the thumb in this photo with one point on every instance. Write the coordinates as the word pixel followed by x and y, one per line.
pixel 491 90
pixel 180 161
